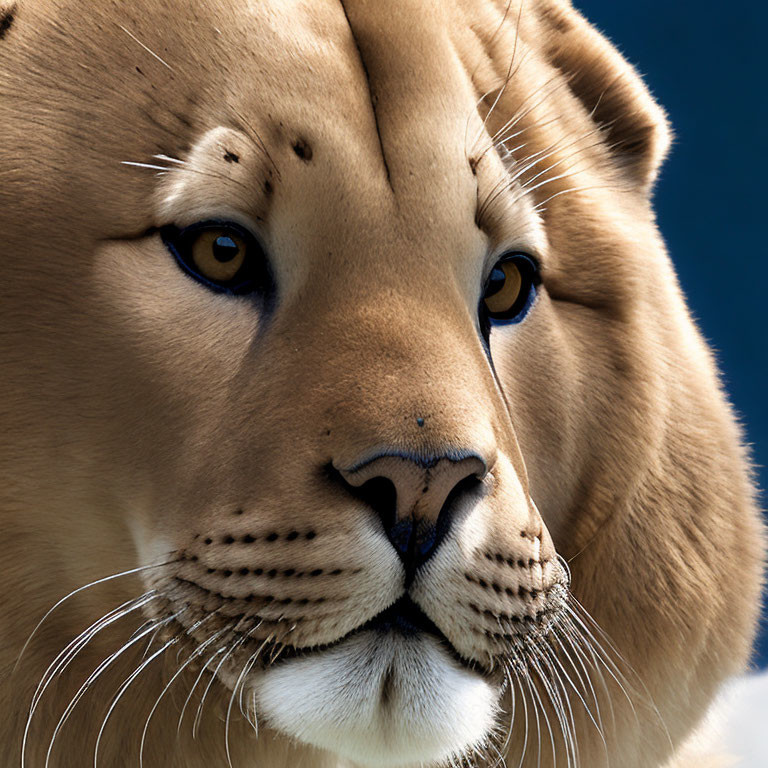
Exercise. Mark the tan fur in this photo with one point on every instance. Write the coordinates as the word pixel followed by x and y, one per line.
pixel 142 414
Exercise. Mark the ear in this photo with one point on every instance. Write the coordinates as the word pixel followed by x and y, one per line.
pixel 634 125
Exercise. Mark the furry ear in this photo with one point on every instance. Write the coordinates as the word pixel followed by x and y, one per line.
pixel 634 125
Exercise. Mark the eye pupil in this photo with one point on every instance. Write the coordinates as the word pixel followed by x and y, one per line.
pixel 496 281
pixel 510 288
pixel 225 249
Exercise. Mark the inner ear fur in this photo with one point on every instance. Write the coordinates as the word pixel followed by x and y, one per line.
pixel 634 126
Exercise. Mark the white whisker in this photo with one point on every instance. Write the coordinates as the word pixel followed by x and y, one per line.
pixel 146 48
pixel 240 680
pixel 70 652
pixel 199 713
pixel 129 680
pixel 526 728
pixel 196 683
pixel 558 695
pixel 74 592
pixel 168 159
pixel 603 655
pixel 599 654
pixel 90 680
pixel 145 165
pixel 194 655
pixel 556 702
pixel 588 685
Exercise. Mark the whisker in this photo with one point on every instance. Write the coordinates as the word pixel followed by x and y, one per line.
pixel 257 140
pixel 146 48
pixel 599 654
pixel 168 159
pixel 648 699
pixel 567 175
pixel 588 685
pixel 522 111
pixel 562 160
pixel 601 657
pixel 77 591
pixel 505 745
pixel 525 711
pixel 559 710
pixel 70 652
pixel 151 641
pixel 249 664
pixel 253 708
pixel 279 645
pixel 582 647
pixel 543 204
pixel 129 680
pixel 195 654
pixel 240 680
pixel 533 160
pixel 536 704
pixel 90 680
pixel 246 670
pixel 145 165
pixel 575 640
pixel 197 681
pixel 199 713
pixel 559 698
pixel 510 74
pixel 502 143
pixel 182 166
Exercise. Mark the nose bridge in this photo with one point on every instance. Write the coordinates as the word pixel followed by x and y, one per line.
pixel 402 371
pixel 386 325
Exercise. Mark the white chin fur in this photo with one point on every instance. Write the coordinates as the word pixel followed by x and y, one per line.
pixel 379 700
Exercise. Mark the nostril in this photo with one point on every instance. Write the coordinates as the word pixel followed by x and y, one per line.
pixel 416 499
pixel 464 492
pixel 380 493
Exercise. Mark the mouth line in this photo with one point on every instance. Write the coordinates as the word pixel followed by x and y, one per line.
pixel 404 617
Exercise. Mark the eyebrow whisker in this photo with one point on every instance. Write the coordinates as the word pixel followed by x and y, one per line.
pixel 145 165
pixel 146 48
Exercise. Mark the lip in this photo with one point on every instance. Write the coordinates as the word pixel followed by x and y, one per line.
pixel 405 618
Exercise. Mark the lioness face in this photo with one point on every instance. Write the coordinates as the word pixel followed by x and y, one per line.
pixel 346 323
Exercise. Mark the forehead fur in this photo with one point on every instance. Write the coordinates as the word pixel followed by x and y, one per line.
pixel 396 93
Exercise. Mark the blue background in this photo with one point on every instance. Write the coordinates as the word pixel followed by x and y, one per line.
pixel 705 63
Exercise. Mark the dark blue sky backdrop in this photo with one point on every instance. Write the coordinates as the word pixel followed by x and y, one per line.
pixel 705 62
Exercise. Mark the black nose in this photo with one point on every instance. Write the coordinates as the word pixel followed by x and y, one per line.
pixel 416 498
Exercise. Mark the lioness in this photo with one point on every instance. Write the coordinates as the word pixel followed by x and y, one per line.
pixel 351 410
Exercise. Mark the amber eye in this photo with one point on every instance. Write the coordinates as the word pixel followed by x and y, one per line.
pixel 510 288
pixel 222 255
pixel 218 254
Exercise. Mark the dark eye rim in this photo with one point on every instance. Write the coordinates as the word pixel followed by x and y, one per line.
pixel 531 279
pixel 254 275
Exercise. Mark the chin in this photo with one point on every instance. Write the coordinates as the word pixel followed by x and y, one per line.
pixel 380 699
